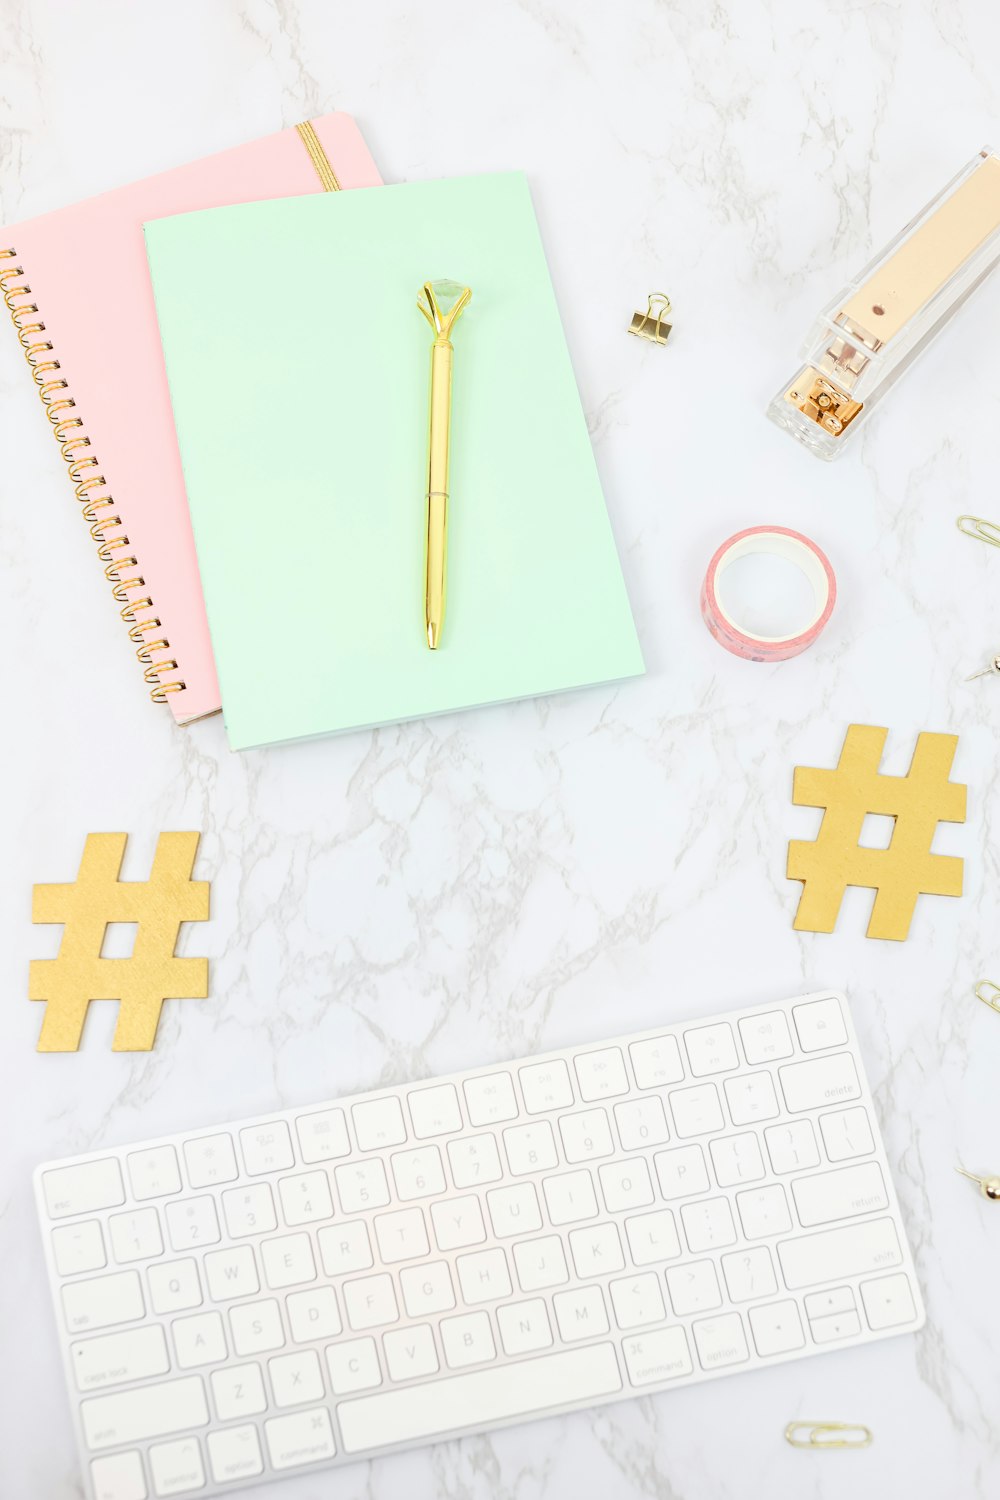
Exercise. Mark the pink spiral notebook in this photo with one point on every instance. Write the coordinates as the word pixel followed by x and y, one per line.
pixel 111 414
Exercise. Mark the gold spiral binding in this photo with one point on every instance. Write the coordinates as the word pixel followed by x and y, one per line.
pixel 98 510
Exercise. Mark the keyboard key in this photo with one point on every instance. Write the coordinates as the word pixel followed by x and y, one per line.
pixel 256 1328
pixel 418 1174
pixel 681 1172
pixel 353 1366
pixel 749 1274
pixel 845 1134
pixel 693 1287
pixel 322 1136
pixel 656 1062
pixel 192 1222
pixel 490 1099
pixel 833 1254
pixel 267 1148
pixel 524 1326
pixel 435 1111
pixel 119 1477
pixel 601 1075
pixel 288 1261
pixel 199 1340
pixel 458 1222
pixel 819 1024
pixel 84 1188
pixel 370 1302
pixel 569 1197
pixel 514 1210
pixel 153 1173
pixel 763 1211
pixel 239 1392
pixel 888 1302
pixel 362 1185
pixel 305 1198
pixel 379 1123
pixel 467 1340
pixel 473 1401
pixel 835 1300
pixel 596 1251
pixel 652 1238
pixel 210 1159
pixel 637 1301
pixel 720 1341
pixel 474 1161
pixel 792 1146
pixel 580 1313
pixel 174 1285
pixel 841 1194
pixel 546 1086
pixel 660 1355
pixel 586 1135
pixel 776 1328
pixel 248 1210
pixel 103 1302
pixel 235 1454
pixel 116 1358
pixel 150 1411
pixel 696 1111
pixel 711 1049
pixel 401 1235
pixel 625 1185
pixel 641 1122
pixel 176 1468
pixel 540 1263
pixel 305 1438
pixel 736 1159
pixel 820 1081
pixel 708 1225
pixel 296 1378
pixel 427 1289
pixel 483 1276
pixel 410 1353
pixel 530 1148
pixel 345 1247
pixel 833 1329
pixel 751 1098
pixel 135 1236
pixel 313 1314
pixel 766 1037
pixel 78 1247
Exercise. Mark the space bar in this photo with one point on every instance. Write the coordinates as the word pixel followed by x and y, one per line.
pixel 474 1400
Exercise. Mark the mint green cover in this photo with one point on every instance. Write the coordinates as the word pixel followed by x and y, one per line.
pixel 299 373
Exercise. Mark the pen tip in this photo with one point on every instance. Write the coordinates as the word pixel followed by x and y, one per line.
pixel 432 636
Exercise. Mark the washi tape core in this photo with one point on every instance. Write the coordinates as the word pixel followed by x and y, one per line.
pixel 773 541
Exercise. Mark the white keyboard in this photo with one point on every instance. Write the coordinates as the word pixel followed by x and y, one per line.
pixel 329 1283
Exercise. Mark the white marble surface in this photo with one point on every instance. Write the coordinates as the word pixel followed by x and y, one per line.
pixel 392 905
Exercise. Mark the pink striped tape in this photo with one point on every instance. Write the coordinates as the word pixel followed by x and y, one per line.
pixel 777 541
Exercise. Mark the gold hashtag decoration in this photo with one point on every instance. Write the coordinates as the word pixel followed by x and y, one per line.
pixel 918 801
pixel 141 983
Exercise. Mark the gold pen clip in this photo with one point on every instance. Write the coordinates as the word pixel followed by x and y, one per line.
pixel 844 1435
pixel 650 325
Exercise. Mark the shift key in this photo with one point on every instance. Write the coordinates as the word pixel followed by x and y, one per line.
pixel 820 1082
pixel 835 1254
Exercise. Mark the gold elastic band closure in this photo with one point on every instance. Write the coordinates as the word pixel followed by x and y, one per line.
pixel 318 157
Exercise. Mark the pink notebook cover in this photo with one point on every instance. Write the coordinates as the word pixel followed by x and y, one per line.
pixel 85 271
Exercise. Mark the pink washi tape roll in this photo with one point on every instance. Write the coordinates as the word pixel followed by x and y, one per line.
pixel 775 541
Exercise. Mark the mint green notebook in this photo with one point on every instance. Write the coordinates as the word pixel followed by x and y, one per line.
pixel 299 368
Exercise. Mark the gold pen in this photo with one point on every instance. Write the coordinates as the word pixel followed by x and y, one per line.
pixel 441 303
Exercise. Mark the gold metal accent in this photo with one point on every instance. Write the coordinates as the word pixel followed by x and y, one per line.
pixel 14 289
pixel 988 1186
pixel 819 400
pixel 438 443
pixel 318 157
pixel 928 258
pixel 815 1438
pixel 983 531
pixel 651 326
pixel 993 666
pixel 989 994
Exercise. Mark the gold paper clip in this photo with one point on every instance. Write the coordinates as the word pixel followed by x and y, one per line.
pixel 861 1437
pixel 649 326
pixel 983 531
pixel 989 994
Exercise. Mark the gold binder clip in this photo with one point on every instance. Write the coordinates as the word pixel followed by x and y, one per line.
pixel 650 325
pixel 983 531
pixel 989 994
pixel 847 1435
